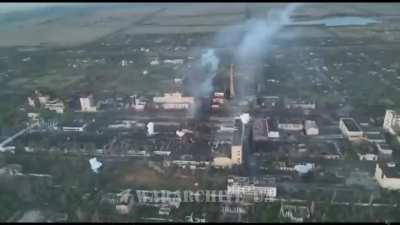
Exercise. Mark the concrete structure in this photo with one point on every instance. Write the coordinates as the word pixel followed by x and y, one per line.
pixel 260 130
pixel 350 129
pixel 388 175
pixel 231 83
pixel 366 151
pixel 374 138
pixel 263 187
pixel 124 124
pixel 137 104
pixel 76 127
pixel 46 102
pixel 237 146
pixel 295 213
pixel 125 202
pixel 391 123
pixel 326 150
pixel 43 99
pixel 272 128
pixel 232 155
pixel 292 104
pixel 174 101
pixel 367 156
pixel 55 105
pixel 265 129
pixel 87 104
pixel 268 101
pixel 311 127
pixel 290 124
pixel 384 149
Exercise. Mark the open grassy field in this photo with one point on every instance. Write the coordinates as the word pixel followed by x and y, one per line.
pixel 81 25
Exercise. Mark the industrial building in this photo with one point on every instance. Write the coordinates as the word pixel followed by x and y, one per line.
pixel 384 149
pixel 260 130
pixel 367 151
pixel 388 175
pixel 137 104
pixel 264 187
pixel 311 127
pixel 265 130
pixel 295 213
pixel 174 101
pixel 293 104
pixel 268 102
pixel 87 103
pixel 46 102
pixel 391 123
pixel 229 150
pixel 272 128
pixel 290 124
pixel 55 105
pixel 350 129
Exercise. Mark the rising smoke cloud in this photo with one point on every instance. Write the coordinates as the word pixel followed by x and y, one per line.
pixel 256 42
pixel 199 80
pixel 209 61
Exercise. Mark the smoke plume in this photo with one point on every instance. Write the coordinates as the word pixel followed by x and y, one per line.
pixel 257 40
pixel 199 80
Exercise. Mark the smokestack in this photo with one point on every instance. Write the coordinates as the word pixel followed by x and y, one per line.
pixel 232 86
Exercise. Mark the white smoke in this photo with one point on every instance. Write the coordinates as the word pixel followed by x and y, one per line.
pixel 245 118
pixel 94 164
pixel 257 39
pixel 303 169
pixel 180 133
pixel 209 61
pixel 150 128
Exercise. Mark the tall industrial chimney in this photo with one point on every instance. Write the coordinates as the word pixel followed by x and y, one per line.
pixel 232 85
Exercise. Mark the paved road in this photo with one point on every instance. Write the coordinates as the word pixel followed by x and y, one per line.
pixel 10 139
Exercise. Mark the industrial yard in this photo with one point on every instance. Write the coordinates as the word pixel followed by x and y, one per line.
pixel 295 105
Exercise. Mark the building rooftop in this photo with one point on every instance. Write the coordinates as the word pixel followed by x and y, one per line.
pixel 384 146
pixel 223 150
pixel 351 124
pixel 271 124
pixel 310 124
pixel 394 113
pixel 224 136
pixel 287 120
pixel 237 137
pixel 391 170
pixel 260 129
pixel 198 151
